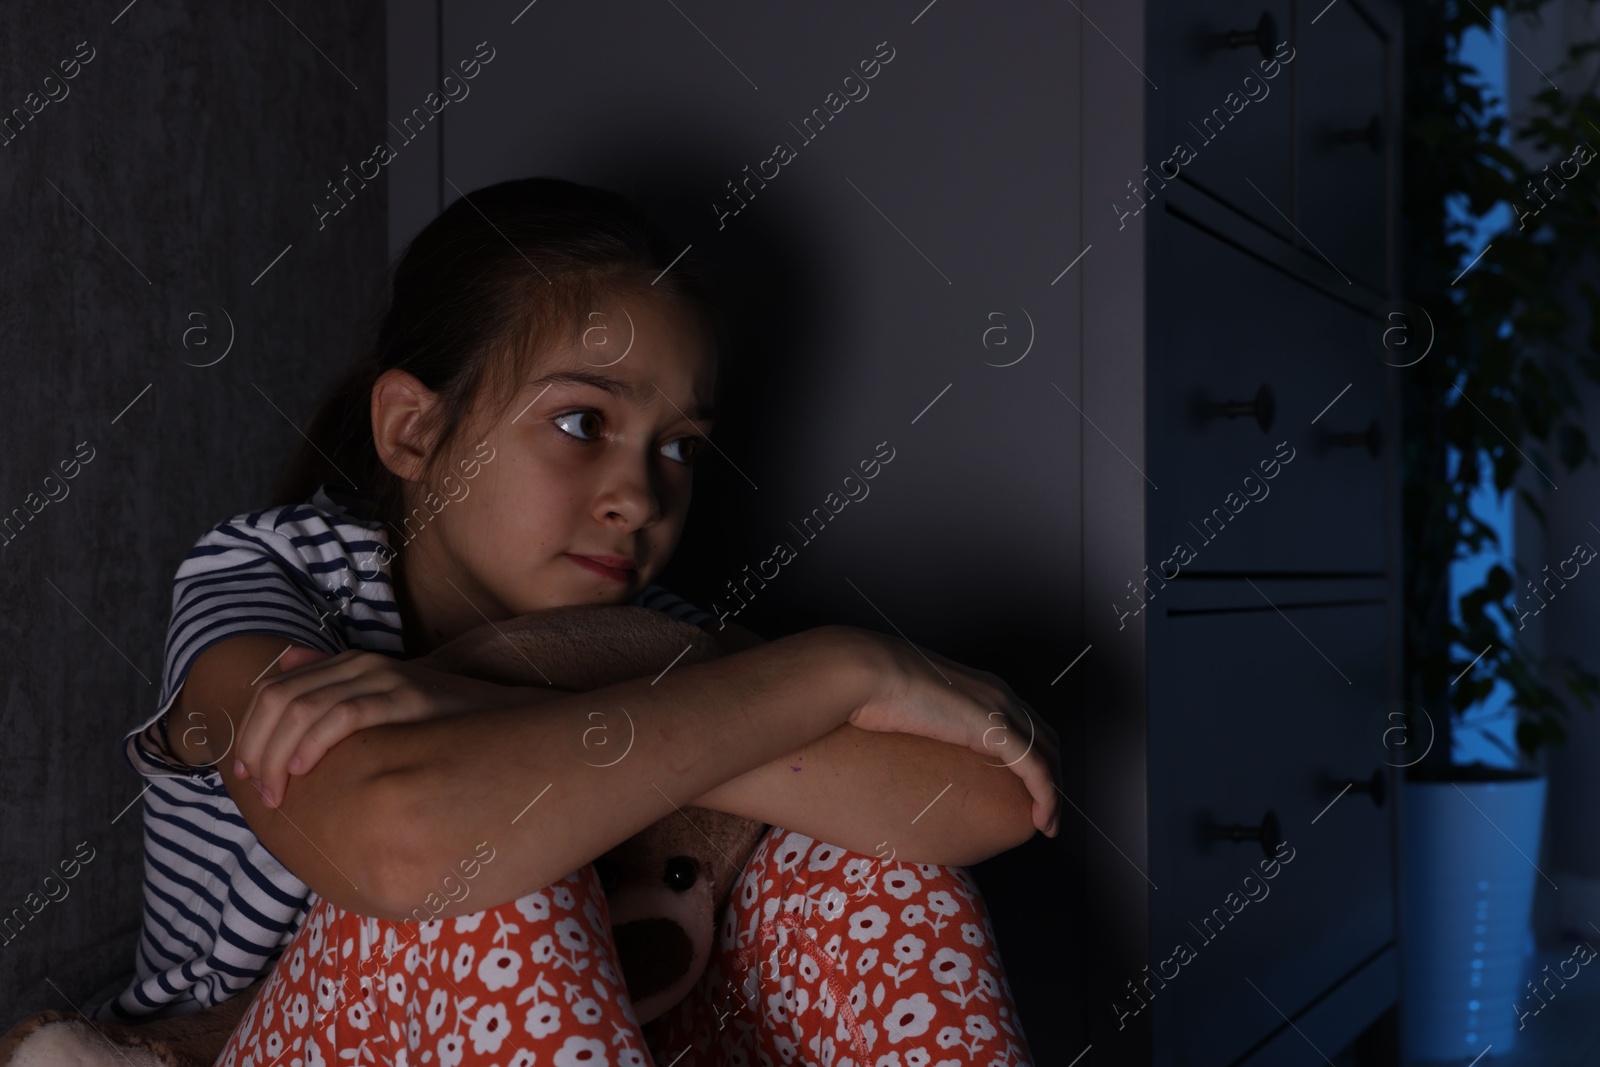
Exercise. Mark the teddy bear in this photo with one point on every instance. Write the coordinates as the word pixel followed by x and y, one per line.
pixel 665 886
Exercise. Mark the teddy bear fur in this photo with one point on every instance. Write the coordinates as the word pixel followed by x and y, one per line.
pixel 665 885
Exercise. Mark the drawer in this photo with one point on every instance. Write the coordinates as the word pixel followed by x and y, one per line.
pixel 1236 326
pixel 1344 140
pixel 1255 711
pixel 1227 125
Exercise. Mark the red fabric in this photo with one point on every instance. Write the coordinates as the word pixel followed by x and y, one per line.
pixel 823 957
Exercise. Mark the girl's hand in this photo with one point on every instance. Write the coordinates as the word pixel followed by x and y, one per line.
pixel 921 692
pixel 317 700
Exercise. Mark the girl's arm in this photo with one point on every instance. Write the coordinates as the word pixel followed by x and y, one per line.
pixel 892 796
pixel 391 811
pixel 869 791
pixel 929 801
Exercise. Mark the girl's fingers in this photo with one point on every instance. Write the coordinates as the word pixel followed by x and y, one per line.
pixel 269 702
pixel 338 702
pixel 329 730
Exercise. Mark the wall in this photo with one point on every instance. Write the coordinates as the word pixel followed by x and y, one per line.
pixel 883 287
pixel 147 208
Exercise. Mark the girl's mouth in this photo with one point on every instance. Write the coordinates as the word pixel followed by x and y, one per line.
pixel 595 566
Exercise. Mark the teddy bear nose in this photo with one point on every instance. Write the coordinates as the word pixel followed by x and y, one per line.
pixel 680 873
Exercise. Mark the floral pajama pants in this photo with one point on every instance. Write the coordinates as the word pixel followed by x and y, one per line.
pixel 823 958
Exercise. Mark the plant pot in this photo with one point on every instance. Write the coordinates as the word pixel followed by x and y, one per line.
pixel 1467 852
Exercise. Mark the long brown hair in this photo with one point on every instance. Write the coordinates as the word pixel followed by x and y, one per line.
pixel 496 278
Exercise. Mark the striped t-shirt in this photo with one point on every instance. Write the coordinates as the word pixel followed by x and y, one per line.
pixel 218 907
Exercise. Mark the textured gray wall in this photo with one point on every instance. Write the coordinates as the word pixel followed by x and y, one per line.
pixel 161 181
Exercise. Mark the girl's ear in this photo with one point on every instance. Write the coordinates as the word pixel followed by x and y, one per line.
pixel 399 405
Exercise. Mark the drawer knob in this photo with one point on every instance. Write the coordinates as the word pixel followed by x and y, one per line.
pixel 1268 833
pixel 1371 135
pixel 1263 408
pixel 1377 787
pixel 1264 36
pixel 1371 438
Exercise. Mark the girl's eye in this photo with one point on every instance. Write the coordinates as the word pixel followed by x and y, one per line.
pixel 578 415
pixel 690 445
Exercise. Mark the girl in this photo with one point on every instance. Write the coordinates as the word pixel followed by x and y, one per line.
pixel 524 431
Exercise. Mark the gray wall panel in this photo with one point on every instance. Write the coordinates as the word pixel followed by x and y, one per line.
pixel 191 148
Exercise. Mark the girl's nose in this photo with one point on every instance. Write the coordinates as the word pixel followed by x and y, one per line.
pixel 630 496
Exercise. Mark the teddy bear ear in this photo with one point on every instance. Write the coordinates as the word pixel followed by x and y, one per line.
pixel 722 843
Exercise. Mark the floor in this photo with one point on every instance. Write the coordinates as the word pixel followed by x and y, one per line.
pixel 1565 1033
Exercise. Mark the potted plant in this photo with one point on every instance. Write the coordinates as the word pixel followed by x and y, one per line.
pixel 1497 384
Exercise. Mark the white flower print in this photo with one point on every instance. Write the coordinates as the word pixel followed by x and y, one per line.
pixel 499 969
pixel 535 907
pixel 796 1000
pixel 414 1032
pixel 489 1029
pixel 299 1010
pixel 867 960
pixel 888 1059
pixel 314 1054
pixel 869 923
pixel 824 857
pixel 468 922
pixel 794 846
pixel 951 966
pixel 857 868
pixel 463 964
pixel 429 931
pixel 297 964
pixel 942 903
pixel 972 934
pixel 437 1004
pixel 543 1019
pixel 357 1015
pixel 929 871
pixel 949 1037
pixel 909 948
pixel 909 1016
pixel 986 983
pixel 900 884
pixel 544 949
pixel 832 905
pixel 563 897
pixel 631 1057
pixel 581 1052
pixel 980 1027
pixel 397 988
pixel 918 1057
pixel 913 915
pixel 274 1045
pixel 858 998
pixel 786 1048
pixel 572 935
pixel 523 1058
pixel 450 1048
pixel 586 1011
pixel 810 971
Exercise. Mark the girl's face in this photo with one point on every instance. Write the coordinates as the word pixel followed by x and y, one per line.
pixel 577 494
